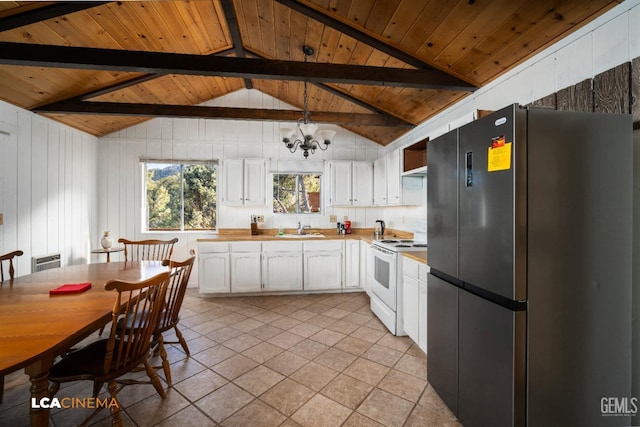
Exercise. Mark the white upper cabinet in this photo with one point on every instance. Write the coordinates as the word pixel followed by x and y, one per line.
pixel 244 182
pixel 394 182
pixel 380 182
pixel 362 183
pixel 390 188
pixel 351 183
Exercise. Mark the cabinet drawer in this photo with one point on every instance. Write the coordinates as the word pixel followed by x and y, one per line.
pixel 210 247
pixel 410 267
pixel 245 246
pixel 327 245
pixel 282 246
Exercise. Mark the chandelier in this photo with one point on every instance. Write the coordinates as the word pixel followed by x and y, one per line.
pixel 306 141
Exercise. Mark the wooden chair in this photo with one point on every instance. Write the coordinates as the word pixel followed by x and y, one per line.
pixel 106 360
pixel 8 257
pixel 147 250
pixel 170 316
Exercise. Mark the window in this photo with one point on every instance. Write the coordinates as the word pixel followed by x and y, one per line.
pixel 296 193
pixel 180 196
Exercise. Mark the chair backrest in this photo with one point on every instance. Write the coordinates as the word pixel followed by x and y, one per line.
pixel 147 250
pixel 8 257
pixel 180 273
pixel 141 302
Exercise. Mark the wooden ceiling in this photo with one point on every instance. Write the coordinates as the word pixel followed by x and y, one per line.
pixel 379 67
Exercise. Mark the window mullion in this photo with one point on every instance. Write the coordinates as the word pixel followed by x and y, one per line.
pixel 182 197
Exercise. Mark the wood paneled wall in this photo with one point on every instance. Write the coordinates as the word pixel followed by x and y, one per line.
pixel 615 91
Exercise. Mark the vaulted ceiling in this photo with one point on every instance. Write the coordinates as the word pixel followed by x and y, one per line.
pixel 379 67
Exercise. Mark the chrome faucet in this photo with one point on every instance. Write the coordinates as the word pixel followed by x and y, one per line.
pixel 301 228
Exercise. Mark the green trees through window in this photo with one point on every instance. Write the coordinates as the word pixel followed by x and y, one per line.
pixel 296 193
pixel 180 196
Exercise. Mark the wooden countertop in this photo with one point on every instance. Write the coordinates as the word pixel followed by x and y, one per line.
pixel 420 256
pixel 270 235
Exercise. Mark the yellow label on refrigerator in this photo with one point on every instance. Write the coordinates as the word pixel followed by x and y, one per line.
pixel 499 158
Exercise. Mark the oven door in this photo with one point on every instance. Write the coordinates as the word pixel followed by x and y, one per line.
pixel 384 275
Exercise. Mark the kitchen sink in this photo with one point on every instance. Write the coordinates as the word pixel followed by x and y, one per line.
pixel 300 236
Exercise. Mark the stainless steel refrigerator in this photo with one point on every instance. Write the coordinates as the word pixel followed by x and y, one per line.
pixel 529 297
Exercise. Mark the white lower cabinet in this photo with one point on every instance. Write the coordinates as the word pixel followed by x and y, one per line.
pixel 322 270
pixel 323 265
pixel 246 266
pixel 414 301
pixel 422 317
pixel 214 272
pixel 282 266
pixel 411 304
pixel 272 266
pixel 352 264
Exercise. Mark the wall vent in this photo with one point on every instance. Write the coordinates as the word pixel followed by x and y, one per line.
pixel 45 262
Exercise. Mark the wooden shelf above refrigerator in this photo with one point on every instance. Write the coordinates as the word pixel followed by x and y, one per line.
pixel 415 158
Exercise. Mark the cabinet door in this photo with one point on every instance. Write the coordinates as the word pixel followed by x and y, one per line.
pixel 362 183
pixel 322 270
pixel 352 264
pixel 380 181
pixel 340 176
pixel 214 273
pixel 422 324
pixel 411 306
pixel 233 182
pixel 246 274
pixel 282 271
pixel 393 178
pixel 255 176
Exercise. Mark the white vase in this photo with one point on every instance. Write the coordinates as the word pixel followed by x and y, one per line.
pixel 106 240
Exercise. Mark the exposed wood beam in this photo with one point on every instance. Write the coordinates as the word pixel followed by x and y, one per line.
pixel 234 30
pixel 190 111
pixel 187 64
pixel 31 16
pixel 128 83
pixel 344 95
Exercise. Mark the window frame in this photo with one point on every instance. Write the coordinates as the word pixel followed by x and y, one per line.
pixel 320 176
pixel 182 162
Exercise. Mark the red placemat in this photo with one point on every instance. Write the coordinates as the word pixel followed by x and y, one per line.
pixel 70 288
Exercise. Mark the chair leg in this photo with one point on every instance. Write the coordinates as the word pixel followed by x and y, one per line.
pixel 116 420
pixel 155 379
pixel 165 359
pixel 183 342
pixel 96 388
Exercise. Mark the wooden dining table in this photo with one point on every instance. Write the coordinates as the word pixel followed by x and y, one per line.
pixel 35 327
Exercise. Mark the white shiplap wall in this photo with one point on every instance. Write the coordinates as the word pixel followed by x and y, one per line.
pixel 47 188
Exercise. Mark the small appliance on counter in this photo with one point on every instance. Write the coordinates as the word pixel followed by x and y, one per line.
pixel 378 230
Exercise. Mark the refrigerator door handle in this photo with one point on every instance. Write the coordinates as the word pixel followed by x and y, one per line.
pixel 468 182
pixel 446 277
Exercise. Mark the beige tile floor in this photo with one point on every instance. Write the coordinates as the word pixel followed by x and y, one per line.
pixel 312 360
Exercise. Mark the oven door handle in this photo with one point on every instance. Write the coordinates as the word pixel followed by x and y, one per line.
pixel 382 250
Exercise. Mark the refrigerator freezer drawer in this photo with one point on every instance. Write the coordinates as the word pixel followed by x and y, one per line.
pixel 491 363
pixel 442 345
